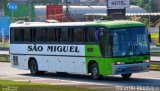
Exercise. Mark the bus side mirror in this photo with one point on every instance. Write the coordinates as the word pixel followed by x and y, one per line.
pixel 149 37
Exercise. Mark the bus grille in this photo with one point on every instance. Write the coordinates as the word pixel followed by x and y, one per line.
pixel 133 62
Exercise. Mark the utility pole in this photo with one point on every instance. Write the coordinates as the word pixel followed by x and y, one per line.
pixel 67 6
pixel 159 34
pixel 149 13
pixel 67 10
pixel 2 8
pixel 29 9
pixel 3 36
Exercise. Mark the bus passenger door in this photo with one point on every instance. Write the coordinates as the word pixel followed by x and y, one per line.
pixel 102 43
pixel 105 43
pixel 105 48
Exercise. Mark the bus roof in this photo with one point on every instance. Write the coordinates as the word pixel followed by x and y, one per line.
pixel 108 24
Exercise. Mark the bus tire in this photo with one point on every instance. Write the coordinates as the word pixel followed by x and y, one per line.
pixel 33 66
pixel 126 76
pixel 95 72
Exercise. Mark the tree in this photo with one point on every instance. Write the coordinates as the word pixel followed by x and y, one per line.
pixel 142 3
pixel 3 3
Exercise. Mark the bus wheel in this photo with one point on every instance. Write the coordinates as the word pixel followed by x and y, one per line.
pixel 95 72
pixel 33 66
pixel 126 76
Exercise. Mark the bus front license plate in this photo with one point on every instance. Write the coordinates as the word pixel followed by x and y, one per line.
pixel 135 68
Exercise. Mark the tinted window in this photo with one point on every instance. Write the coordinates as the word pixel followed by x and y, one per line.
pixel 92 34
pixel 70 34
pixel 17 35
pixel 64 35
pixel 40 35
pixel 78 35
pixel 27 35
pixel 51 35
pixel 33 34
pixel 58 35
pixel 12 35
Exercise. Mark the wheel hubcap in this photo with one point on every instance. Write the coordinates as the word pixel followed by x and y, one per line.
pixel 33 67
pixel 95 72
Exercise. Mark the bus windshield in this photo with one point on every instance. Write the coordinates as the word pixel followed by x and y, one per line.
pixel 130 41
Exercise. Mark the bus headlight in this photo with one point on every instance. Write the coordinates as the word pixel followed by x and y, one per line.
pixel 118 63
pixel 146 61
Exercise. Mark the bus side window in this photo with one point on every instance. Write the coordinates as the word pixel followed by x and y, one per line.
pixel 91 34
pixel 40 32
pixel 58 35
pixel 97 34
pixel 17 35
pixel 86 35
pixel 70 34
pixel 64 35
pixel 51 35
pixel 26 35
pixel 12 35
pixel 78 35
pixel 33 34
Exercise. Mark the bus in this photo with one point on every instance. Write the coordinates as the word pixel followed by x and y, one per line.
pixel 98 48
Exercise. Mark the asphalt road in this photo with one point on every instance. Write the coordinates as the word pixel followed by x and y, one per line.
pixel 151 78
pixel 138 80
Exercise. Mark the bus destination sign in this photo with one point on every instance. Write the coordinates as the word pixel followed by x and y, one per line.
pixel 118 3
pixel 116 13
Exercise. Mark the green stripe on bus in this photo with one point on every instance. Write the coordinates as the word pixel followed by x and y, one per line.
pixel 117 24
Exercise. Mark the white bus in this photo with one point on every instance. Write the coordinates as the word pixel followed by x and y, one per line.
pixel 100 48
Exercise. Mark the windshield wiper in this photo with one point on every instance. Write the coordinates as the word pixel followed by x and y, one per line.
pixel 130 49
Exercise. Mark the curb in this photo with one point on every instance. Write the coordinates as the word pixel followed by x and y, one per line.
pixel 5 62
pixel 155 67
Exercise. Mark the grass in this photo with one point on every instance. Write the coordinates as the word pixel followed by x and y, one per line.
pixel 154 35
pixel 6 45
pixel 3 59
pixel 27 86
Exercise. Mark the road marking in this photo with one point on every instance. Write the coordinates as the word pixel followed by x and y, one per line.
pixel 72 82
pixel 155 67
pixel 6 68
pixel 147 78
pixel 21 80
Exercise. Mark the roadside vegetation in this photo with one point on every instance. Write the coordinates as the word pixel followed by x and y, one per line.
pixel 156 37
pixel 145 4
pixel 6 45
pixel 4 59
pixel 27 86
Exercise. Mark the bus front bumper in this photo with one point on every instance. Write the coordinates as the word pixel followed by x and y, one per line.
pixel 130 68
